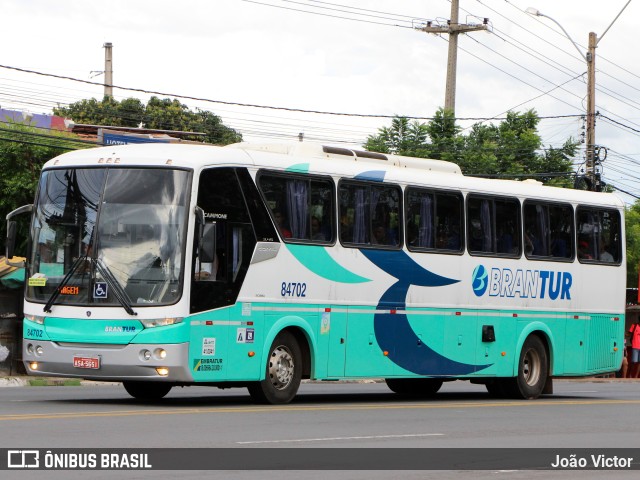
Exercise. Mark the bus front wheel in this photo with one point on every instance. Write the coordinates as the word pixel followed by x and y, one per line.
pixel 283 372
pixel 147 390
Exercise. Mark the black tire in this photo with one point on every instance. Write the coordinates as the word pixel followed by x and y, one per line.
pixel 147 390
pixel 533 369
pixel 283 372
pixel 414 387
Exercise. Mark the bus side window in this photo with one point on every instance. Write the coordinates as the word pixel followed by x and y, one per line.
pixel 494 226
pixel 599 235
pixel 302 207
pixel 369 214
pixel 433 220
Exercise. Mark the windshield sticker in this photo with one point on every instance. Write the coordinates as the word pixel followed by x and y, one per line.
pixel 100 290
pixel 38 280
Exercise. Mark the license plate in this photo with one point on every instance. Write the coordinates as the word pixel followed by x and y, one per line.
pixel 86 362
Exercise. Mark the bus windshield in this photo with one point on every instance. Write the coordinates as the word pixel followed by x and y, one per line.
pixel 131 220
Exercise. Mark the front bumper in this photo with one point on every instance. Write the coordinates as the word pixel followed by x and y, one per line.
pixel 117 362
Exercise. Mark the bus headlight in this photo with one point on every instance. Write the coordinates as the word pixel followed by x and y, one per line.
pixel 39 350
pixel 160 322
pixel 160 353
pixel 30 349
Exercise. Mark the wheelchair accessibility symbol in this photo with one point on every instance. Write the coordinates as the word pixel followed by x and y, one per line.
pixel 100 290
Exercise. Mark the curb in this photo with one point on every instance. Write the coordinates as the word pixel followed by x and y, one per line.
pixel 13 382
pixel 26 381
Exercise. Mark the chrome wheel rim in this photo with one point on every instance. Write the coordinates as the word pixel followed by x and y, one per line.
pixel 531 366
pixel 281 367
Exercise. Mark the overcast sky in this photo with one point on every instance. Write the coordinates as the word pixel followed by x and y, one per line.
pixel 346 56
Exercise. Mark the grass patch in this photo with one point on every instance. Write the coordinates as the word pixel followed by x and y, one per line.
pixel 54 382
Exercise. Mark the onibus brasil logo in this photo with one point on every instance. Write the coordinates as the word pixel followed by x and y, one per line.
pixel 521 283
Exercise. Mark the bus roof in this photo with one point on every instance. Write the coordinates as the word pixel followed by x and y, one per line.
pixel 318 159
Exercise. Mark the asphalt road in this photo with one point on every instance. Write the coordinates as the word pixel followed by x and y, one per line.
pixel 580 414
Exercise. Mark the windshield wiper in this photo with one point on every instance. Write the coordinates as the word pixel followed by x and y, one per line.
pixel 120 294
pixel 65 280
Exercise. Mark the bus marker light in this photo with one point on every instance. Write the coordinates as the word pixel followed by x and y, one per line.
pixel 392 312
pixel 458 313
pixel 327 309
pixel 504 354
pixel 208 322
pixel 515 315
pixel 252 354
pixel 163 371
pixel 33 365
pixel 385 353
pixel 250 323
pixel 615 349
pixel 35 318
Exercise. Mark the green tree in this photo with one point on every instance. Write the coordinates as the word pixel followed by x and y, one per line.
pixel 509 149
pixel 632 227
pixel 158 113
pixel 446 144
pixel 403 137
pixel 23 152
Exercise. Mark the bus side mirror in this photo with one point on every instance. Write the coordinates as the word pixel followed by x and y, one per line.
pixel 11 238
pixel 207 252
pixel 12 229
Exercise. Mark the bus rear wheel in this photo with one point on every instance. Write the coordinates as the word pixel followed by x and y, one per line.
pixel 533 370
pixel 414 387
pixel 146 390
pixel 283 372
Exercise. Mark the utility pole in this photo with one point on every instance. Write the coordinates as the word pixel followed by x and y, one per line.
pixel 108 70
pixel 590 164
pixel 590 57
pixel 453 29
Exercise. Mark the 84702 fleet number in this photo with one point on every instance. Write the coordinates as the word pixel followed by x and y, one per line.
pixel 293 289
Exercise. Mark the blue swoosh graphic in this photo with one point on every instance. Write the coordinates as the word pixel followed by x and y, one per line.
pixel 393 331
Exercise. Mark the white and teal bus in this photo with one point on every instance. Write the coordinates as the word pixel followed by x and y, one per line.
pixel 261 265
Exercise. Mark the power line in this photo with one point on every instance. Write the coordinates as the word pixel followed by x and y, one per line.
pixel 270 107
pixel 325 14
